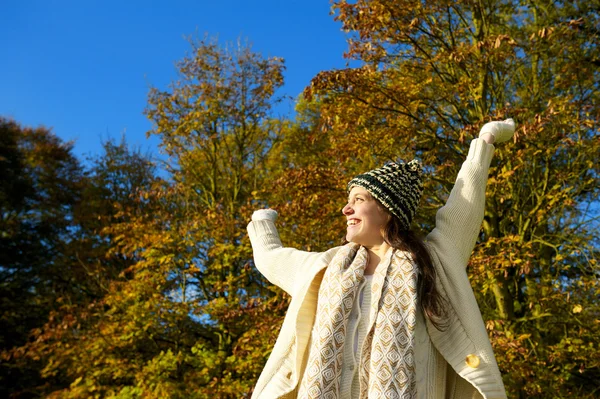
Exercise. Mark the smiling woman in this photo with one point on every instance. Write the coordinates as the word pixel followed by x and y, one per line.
pixel 385 315
pixel 367 219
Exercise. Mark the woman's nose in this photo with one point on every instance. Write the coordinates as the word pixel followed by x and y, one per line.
pixel 347 210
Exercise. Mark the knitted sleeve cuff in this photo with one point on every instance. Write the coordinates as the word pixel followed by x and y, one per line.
pixel 480 153
pixel 263 234
pixel 265 214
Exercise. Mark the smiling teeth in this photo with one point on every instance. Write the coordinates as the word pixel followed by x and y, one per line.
pixel 352 222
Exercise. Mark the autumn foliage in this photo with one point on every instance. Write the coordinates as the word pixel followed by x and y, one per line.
pixel 122 277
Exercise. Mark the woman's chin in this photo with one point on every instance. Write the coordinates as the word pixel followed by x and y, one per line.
pixel 353 239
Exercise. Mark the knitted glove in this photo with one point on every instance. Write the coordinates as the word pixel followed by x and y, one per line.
pixel 265 214
pixel 501 130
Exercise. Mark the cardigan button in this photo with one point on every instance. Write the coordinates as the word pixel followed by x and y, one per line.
pixel 472 361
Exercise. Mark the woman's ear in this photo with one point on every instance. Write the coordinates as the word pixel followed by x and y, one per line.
pixel 388 214
pixel 388 217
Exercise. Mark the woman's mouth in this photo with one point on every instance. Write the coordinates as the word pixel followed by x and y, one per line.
pixel 352 222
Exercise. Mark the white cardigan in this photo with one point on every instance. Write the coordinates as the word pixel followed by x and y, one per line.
pixel 465 346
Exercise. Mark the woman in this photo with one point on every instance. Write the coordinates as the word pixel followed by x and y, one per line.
pixel 385 315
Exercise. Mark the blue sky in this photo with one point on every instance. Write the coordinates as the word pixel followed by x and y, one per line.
pixel 84 67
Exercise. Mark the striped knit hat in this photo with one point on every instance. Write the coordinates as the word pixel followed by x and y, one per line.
pixel 397 186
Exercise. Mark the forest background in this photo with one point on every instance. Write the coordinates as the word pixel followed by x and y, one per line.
pixel 126 277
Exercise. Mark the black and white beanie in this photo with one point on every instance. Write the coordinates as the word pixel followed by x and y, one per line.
pixel 397 186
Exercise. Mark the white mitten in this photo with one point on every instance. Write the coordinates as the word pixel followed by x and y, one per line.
pixel 501 130
pixel 265 214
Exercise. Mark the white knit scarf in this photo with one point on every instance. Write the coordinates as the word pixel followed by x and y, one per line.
pixel 386 362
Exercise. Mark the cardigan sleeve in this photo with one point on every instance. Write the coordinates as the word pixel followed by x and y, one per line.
pixel 280 265
pixel 458 222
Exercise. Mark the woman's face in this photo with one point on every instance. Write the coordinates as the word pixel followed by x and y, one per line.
pixel 366 218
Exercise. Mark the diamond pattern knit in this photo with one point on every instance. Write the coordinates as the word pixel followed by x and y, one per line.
pixel 387 367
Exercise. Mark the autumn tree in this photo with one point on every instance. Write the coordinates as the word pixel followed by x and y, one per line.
pixel 164 299
pixel 176 308
pixel 216 124
pixel 78 272
pixel 41 185
pixel 430 74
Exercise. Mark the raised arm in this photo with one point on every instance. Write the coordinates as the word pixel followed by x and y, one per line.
pixel 458 222
pixel 278 264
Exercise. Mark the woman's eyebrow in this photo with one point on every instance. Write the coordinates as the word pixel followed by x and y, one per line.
pixel 366 195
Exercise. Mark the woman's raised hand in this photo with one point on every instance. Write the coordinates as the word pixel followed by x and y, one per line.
pixel 265 214
pixel 498 131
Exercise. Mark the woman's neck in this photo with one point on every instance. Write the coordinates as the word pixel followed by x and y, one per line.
pixel 375 252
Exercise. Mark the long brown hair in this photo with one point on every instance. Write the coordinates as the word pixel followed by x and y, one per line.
pixel 430 300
